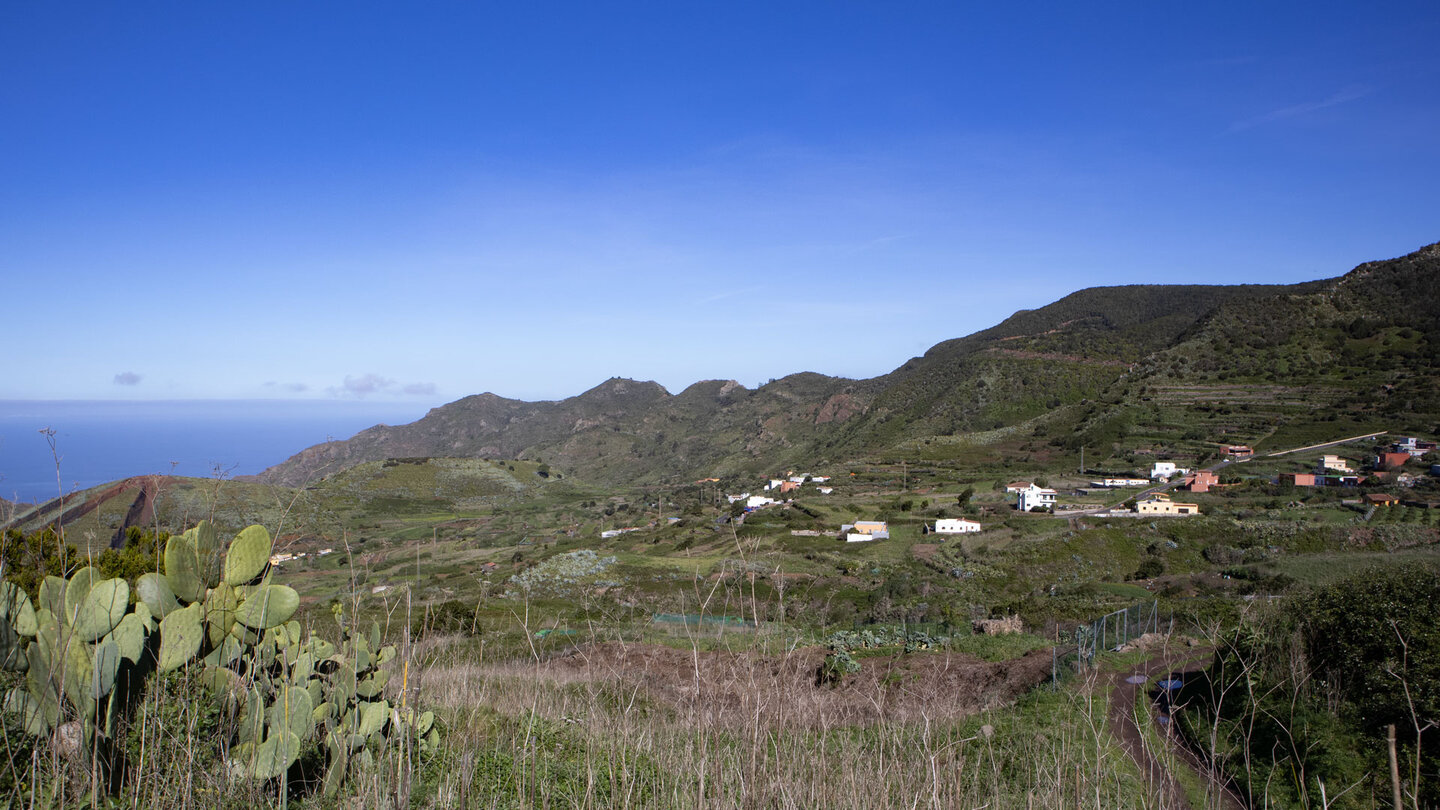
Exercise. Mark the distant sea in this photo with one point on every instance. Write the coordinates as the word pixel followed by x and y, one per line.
pixel 104 441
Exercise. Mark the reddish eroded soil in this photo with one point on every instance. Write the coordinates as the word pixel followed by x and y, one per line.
pixel 745 689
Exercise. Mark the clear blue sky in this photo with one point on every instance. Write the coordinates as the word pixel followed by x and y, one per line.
pixel 422 201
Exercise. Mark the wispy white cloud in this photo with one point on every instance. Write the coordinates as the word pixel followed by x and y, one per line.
pixel 1344 96
pixel 359 387
pixel 128 378
pixel 291 387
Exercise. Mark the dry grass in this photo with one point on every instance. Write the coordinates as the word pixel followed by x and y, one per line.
pixel 745 733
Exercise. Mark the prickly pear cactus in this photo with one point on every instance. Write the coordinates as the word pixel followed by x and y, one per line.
pixel 214 608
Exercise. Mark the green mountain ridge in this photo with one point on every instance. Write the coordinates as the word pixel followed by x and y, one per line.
pixel 1094 368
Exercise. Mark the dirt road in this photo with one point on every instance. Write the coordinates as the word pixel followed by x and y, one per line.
pixel 1126 689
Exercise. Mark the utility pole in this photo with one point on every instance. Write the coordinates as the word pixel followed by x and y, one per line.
pixel 1082 459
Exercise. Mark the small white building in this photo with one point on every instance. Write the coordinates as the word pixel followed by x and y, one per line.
pixel 819 479
pixel 737 498
pixel 1164 469
pixel 956 526
pixel 1115 483
pixel 825 490
pixel 1036 497
pixel 797 479
pixel 1336 463
pixel 774 484
pixel 757 501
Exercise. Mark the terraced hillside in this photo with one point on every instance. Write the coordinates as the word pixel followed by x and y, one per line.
pixel 1114 369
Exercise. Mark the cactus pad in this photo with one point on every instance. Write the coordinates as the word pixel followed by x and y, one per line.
pixel 182 569
pixel 294 711
pixel 16 609
pixel 107 666
pixel 129 637
pixel 76 590
pixel 249 554
pixel 180 636
pixel 274 756
pixel 105 604
pixel 154 590
pixel 268 607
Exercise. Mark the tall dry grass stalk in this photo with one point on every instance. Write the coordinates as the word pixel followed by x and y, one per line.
pixel 531 734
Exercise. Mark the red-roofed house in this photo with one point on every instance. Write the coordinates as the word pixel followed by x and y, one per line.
pixel 1391 461
pixel 1200 481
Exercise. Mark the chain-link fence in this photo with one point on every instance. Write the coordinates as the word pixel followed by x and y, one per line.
pixel 1114 630
pixel 1108 633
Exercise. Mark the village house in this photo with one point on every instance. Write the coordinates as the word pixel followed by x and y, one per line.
pixel 1319 480
pixel 956 526
pixel 1160 504
pixel 1115 483
pixel 1018 486
pixel 757 501
pixel 825 490
pixel 1200 481
pixel 1336 463
pixel 862 531
pixel 788 486
pixel 1164 469
pixel 1390 461
pixel 1036 497
pixel 774 484
pixel 1239 452
pixel 1381 499
pixel 1413 446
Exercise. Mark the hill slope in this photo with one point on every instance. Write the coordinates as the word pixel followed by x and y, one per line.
pixel 1102 351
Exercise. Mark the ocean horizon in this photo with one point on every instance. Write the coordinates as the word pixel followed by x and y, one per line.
pixel 98 441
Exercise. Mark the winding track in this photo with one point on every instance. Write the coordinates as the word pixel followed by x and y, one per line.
pixel 1123 698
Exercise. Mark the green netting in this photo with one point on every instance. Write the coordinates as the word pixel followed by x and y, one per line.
pixel 693 618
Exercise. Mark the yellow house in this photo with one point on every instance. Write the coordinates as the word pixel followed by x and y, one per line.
pixel 869 526
pixel 1160 504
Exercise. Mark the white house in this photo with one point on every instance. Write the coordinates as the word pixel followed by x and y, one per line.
pixel 819 479
pixel 1164 469
pixel 1336 463
pixel 737 498
pixel 757 501
pixel 1114 483
pixel 956 526
pixel 825 490
pixel 774 484
pixel 797 479
pixel 1036 497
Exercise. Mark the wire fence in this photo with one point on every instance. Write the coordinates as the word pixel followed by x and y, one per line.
pixel 1108 633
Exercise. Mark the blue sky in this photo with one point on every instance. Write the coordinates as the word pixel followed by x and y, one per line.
pixel 416 202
